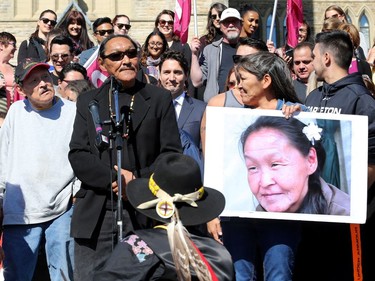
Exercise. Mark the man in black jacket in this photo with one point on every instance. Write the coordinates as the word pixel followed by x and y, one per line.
pixel 149 131
pixel 326 247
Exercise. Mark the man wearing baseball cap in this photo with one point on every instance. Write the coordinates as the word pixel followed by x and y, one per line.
pixel 212 67
pixel 36 179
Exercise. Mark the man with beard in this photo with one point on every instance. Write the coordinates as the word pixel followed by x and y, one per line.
pixel 212 68
pixel 148 131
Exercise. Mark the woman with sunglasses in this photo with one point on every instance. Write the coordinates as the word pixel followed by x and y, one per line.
pixel 34 47
pixel 164 22
pixel 121 24
pixel 213 24
pixel 74 26
pixel 153 48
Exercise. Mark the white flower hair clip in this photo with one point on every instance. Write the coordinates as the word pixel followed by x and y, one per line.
pixel 312 132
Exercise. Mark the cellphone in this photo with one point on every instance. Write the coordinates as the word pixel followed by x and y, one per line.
pixel 289 52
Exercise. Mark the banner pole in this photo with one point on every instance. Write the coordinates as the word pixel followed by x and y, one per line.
pixel 273 20
pixel 195 18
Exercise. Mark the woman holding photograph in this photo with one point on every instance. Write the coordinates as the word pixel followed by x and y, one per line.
pixel 264 83
pixel 283 159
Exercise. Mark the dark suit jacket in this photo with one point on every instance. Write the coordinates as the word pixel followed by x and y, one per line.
pixel 153 133
pixel 190 118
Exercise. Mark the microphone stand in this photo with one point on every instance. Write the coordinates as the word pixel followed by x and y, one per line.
pixel 118 128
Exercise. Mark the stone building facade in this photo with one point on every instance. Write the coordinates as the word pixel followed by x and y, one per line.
pixel 19 16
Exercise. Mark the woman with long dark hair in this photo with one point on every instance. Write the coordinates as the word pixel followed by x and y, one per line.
pixel 34 47
pixel 74 26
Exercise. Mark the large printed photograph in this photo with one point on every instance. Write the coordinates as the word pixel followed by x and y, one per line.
pixel 310 167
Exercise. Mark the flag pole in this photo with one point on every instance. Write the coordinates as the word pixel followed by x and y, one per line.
pixel 195 18
pixel 273 20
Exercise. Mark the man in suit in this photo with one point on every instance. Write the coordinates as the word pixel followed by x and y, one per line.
pixel 149 131
pixel 174 71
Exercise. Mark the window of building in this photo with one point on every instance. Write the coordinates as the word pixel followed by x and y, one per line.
pixel 364 27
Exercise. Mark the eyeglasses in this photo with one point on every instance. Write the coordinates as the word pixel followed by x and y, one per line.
pixel 164 22
pixel 45 21
pixel 14 44
pixel 236 58
pixel 131 54
pixel 215 17
pixel 157 44
pixel 122 25
pixel 306 62
pixel 104 31
pixel 62 56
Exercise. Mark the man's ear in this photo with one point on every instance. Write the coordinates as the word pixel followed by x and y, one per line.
pixel 327 59
pixel 101 64
pixel 20 90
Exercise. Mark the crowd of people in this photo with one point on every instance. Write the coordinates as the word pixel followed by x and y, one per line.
pixel 108 184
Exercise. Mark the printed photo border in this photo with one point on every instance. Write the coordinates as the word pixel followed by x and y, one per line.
pixel 225 167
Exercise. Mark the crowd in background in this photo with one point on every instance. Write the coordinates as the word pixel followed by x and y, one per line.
pixel 226 67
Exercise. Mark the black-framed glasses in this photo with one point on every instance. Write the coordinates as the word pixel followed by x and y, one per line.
pixel 215 17
pixel 122 25
pixel 131 54
pixel 62 56
pixel 164 22
pixel 46 21
pixel 104 31
pixel 157 44
pixel 14 44
pixel 236 58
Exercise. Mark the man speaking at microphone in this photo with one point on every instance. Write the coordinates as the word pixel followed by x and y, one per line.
pixel 149 131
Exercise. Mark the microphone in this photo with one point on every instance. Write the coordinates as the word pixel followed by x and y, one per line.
pixel 101 141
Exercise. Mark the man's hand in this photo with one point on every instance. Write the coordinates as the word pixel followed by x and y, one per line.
pixel 126 177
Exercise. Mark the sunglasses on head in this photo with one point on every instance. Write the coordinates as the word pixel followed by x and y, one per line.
pixel 131 54
pixel 236 58
pixel 164 22
pixel 122 25
pixel 46 21
pixel 104 31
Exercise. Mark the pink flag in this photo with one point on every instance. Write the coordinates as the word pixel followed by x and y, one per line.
pixel 96 75
pixel 182 19
pixel 294 19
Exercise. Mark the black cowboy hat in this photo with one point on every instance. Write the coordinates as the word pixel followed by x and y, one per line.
pixel 176 173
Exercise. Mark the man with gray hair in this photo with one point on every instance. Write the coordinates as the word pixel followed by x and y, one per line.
pixel 212 67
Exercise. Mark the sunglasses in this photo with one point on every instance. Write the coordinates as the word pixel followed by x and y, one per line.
pixel 164 22
pixel 46 21
pixel 214 17
pixel 122 25
pixel 104 31
pixel 131 54
pixel 62 56
pixel 306 62
pixel 236 58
